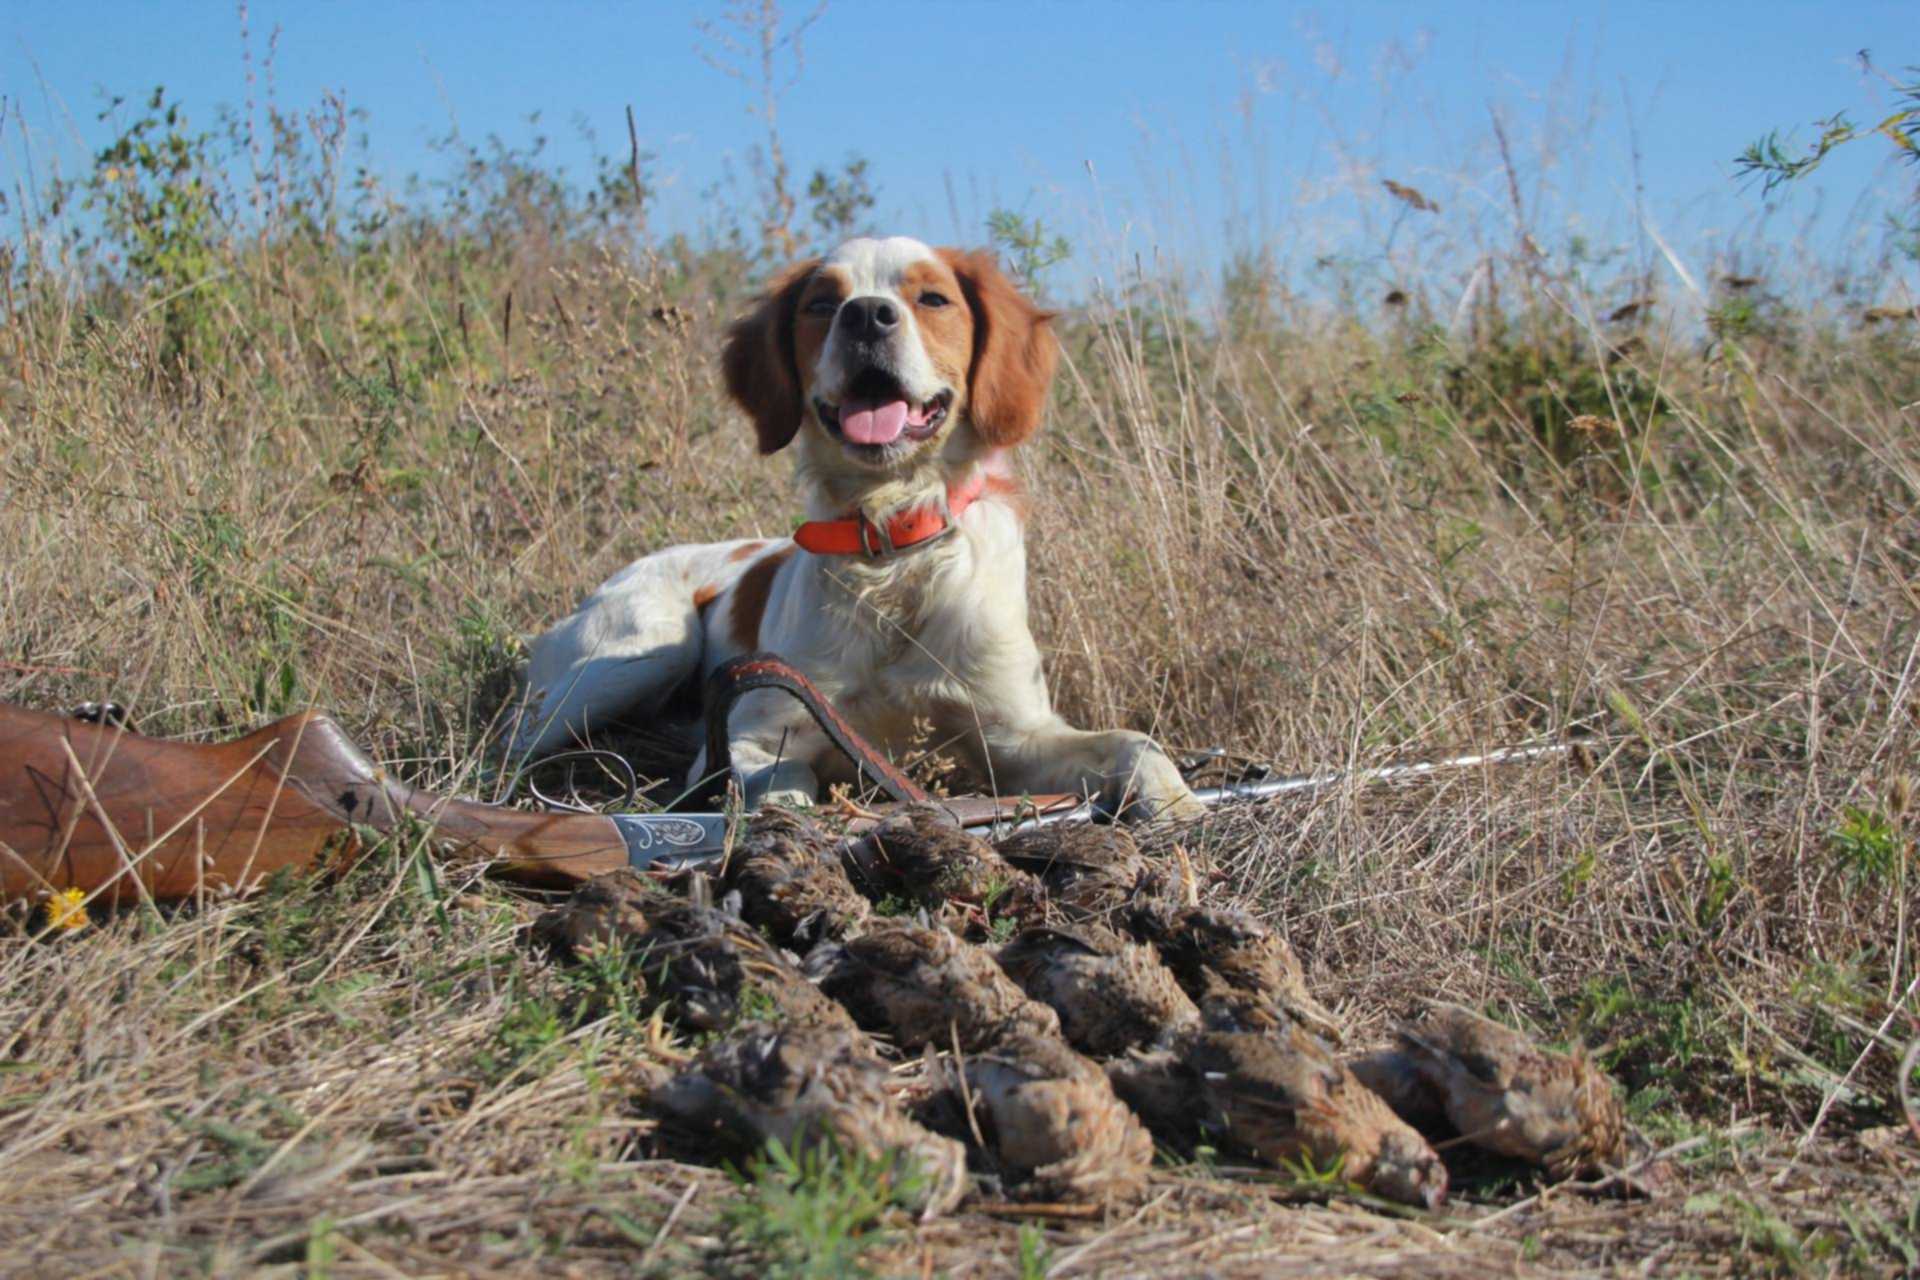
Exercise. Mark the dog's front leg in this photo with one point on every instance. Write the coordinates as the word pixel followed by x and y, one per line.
pixel 771 743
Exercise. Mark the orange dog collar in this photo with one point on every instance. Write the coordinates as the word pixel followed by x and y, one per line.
pixel 914 527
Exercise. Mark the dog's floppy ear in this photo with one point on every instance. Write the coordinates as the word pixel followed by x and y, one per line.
pixel 1014 351
pixel 757 360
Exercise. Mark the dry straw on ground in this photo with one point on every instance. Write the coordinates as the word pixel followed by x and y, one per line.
pixel 354 471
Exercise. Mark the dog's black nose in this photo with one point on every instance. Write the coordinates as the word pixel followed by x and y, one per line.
pixel 869 317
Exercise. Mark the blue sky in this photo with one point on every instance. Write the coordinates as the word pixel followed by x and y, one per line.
pixel 1138 128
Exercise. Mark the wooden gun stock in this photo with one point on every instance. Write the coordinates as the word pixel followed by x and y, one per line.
pixel 91 807
pixel 108 811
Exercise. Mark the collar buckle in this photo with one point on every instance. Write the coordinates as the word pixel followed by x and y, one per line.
pixel 871 532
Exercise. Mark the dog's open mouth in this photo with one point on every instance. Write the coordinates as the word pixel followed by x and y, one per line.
pixel 876 411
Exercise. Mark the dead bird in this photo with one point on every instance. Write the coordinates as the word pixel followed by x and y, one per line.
pixel 1243 975
pixel 1502 1092
pixel 803 1086
pixel 1089 871
pixel 1397 1078
pixel 708 967
pixel 714 969
pixel 786 869
pixel 1396 1075
pixel 1051 1122
pixel 1111 994
pixel 1225 1007
pixel 924 986
pixel 608 910
pixel 935 863
pixel 1281 1098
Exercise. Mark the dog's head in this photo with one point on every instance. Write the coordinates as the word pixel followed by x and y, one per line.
pixel 891 351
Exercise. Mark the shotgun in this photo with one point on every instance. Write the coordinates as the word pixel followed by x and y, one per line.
pixel 122 816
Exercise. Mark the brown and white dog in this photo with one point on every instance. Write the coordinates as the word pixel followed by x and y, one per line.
pixel 898 375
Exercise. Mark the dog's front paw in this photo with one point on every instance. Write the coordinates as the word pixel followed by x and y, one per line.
pixel 787 784
pixel 1183 807
pixel 1149 788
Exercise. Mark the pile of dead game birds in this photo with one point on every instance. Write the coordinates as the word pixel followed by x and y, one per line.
pixel 1040 1013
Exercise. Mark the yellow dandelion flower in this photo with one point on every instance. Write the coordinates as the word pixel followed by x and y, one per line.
pixel 68 910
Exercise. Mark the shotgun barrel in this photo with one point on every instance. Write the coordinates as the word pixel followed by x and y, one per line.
pixel 1318 780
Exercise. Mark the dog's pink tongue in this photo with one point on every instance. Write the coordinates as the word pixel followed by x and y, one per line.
pixel 866 423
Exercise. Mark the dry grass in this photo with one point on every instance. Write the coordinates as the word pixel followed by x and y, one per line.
pixel 351 475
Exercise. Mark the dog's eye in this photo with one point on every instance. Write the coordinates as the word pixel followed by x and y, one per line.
pixel 932 299
pixel 822 307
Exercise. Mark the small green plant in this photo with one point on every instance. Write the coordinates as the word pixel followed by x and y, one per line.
pixel 1034 1254
pixel 1603 1000
pixel 291 917
pixel 1734 318
pixel 1866 845
pixel 1722 884
pixel 1762 1231
pixel 841 200
pixel 482 659
pixel 532 1024
pixel 1001 927
pixel 1682 1034
pixel 1578 874
pixel 1837 994
pixel 321 1249
pixel 1030 248
pixel 154 189
pixel 608 980
pixel 812 1214
pixel 1656 1044
pixel 238 1152
pixel 755 1005
pixel 1875 1237
pixel 1309 1175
